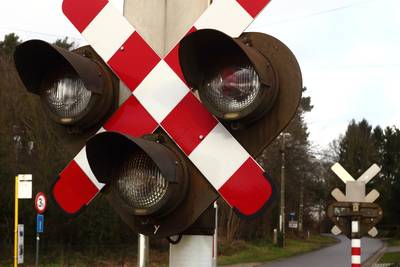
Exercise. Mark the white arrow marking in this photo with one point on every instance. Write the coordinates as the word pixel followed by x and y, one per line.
pixel 369 174
pixel 342 173
pixel 335 230
pixel 338 195
pixel 373 232
pixel 372 196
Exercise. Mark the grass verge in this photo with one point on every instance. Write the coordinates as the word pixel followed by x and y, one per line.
pixel 390 257
pixel 393 242
pixel 263 251
pixel 108 258
pixel 236 252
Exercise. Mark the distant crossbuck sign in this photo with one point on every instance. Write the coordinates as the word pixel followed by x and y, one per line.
pixel 161 98
pixel 355 190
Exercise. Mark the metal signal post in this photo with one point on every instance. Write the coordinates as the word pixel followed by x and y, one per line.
pixel 23 190
pixel 40 206
pixel 282 216
pixel 355 243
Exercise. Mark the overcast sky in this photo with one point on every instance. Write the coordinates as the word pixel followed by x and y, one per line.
pixel 348 50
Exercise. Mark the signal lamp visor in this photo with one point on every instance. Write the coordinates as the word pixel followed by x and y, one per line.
pixel 75 88
pixel 234 80
pixel 145 177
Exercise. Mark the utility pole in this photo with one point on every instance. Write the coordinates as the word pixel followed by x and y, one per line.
pixel 301 205
pixel 282 231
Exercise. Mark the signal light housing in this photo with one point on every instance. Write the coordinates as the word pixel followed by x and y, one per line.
pixel 255 67
pixel 124 163
pixel 77 89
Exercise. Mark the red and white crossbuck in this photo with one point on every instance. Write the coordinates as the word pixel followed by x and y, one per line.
pixel 161 98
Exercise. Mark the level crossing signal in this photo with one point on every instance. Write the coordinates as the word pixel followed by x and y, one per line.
pixel 355 206
pixel 162 159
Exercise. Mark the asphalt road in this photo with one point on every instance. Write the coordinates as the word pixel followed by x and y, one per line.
pixel 334 256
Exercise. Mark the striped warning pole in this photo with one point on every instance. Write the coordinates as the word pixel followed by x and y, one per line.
pixel 355 245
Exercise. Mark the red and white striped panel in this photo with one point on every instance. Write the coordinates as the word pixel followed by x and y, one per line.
pixel 356 253
pixel 160 97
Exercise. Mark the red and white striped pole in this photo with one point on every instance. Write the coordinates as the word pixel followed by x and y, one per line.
pixel 355 244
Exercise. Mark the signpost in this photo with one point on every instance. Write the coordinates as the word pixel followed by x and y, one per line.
pixel 354 214
pixel 23 190
pixel 293 224
pixel 40 206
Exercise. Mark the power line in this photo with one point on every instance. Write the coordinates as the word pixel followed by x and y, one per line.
pixel 366 66
pixel 40 33
pixel 318 13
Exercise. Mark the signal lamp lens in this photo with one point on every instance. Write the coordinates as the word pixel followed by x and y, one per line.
pixel 232 90
pixel 67 98
pixel 139 181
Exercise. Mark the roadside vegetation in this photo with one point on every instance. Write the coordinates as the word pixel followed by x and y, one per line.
pixel 264 250
pixel 236 252
pixel 394 242
pixel 393 256
pixel 390 257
